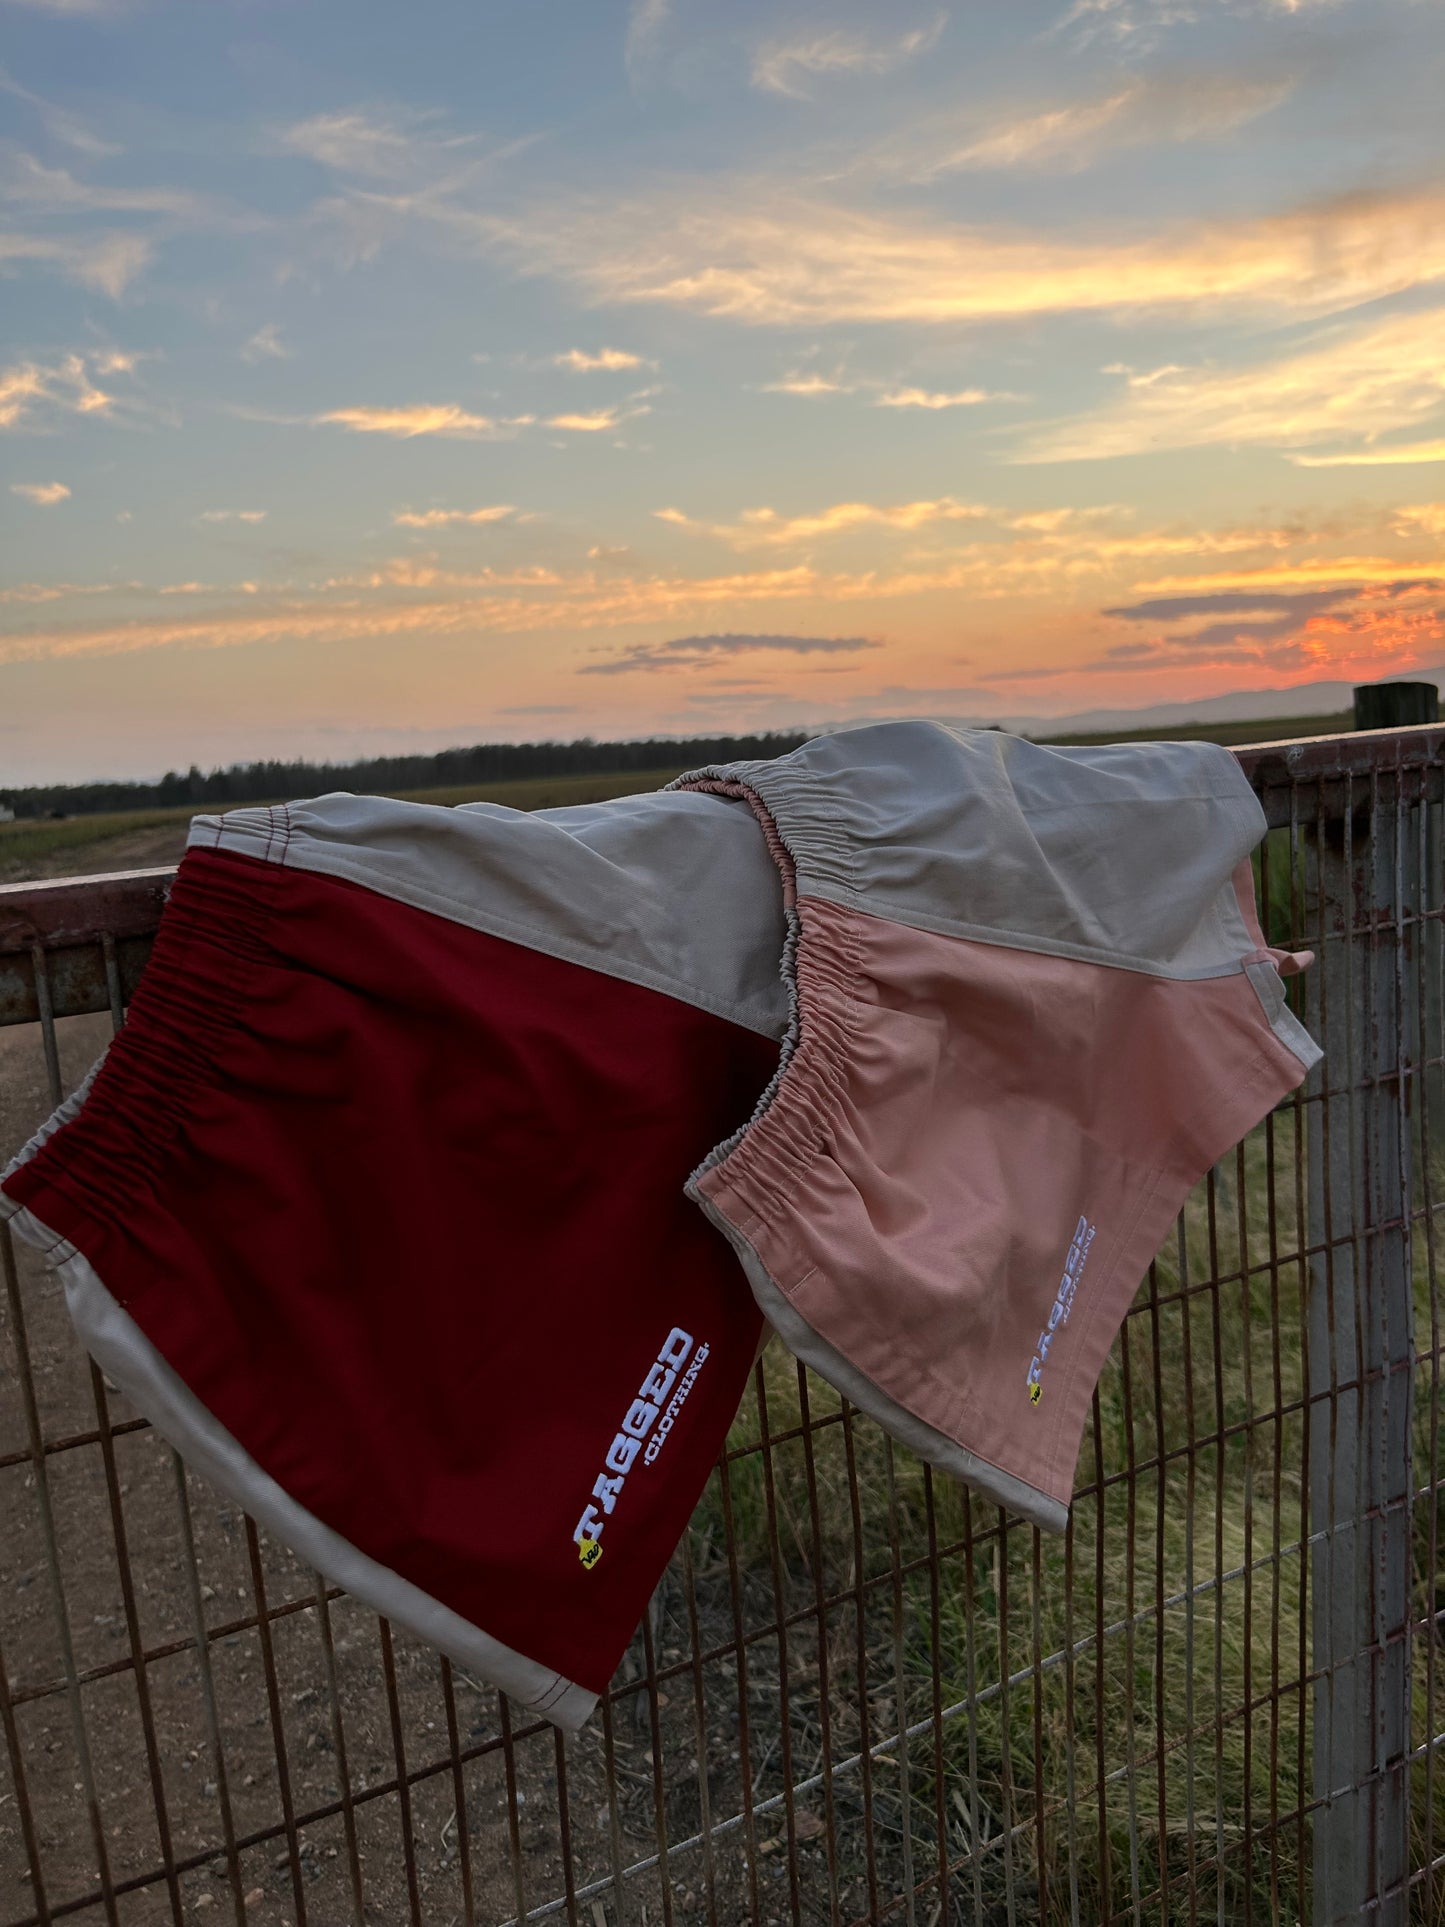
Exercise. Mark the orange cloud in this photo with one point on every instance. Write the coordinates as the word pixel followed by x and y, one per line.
pixel 1082 540
pixel 583 601
pixel 440 518
pixel 1424 518
pixel 1310 573
pixel 809 384
pixel 43 494
pixel 924 398
pixel 443 418
pixel 605 359
pixel 1397 454
pixel 952 550
pixel 1346 381
pixel 755 252
pixel 30 386
pixel 595 423
pixel 765 528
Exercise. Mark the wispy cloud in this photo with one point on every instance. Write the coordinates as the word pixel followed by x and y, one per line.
pixel 353 143
pixel 996 551
pixel 598 421
pixel 1346 381
pixel 1307 573
pixel 645 23
pixel 32 389
pixel 58 121
pixel 424 418
pixel 812 385
pixel 43 494
pixel 782 66
pixel 607 359
pixel 594 423
pixel 952 551
pixel 266 345
pixel 486 602
pixel 1138 24
pixel 29 182
pixel 765 528
pixel 808 383
pixel 1068 136
pixel 232 515
pixel 1014 554
pixel 109 262
pixel 755 252
pixel 443 518
pixel 44 200
pixel 692 652
pixel 1420 518
pixel 386 144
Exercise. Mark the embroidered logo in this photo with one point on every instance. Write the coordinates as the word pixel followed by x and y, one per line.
pixel 644 1419
pixel 1063 1304
pixel 669 1417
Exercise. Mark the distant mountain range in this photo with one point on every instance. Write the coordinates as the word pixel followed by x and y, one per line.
pixel 1237 706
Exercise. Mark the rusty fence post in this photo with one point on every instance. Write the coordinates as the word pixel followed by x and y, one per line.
pixel 1394 705
pixel 1363 872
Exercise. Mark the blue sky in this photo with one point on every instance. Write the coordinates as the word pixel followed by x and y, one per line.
pixel 381 377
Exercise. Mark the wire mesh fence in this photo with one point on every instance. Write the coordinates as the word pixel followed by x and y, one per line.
pixel 860 1693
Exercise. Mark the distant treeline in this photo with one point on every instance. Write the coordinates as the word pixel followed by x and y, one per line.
pixel 449 768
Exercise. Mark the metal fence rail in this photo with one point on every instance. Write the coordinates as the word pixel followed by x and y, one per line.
pixel 861 1694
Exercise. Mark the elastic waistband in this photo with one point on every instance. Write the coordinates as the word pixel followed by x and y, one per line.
pixel 115 1147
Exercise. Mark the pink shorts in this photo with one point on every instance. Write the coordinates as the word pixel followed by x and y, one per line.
pixel 1032 1006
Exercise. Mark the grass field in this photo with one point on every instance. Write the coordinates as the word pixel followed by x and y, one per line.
pixel 1274 729
pixel 77 844
pixel 32 840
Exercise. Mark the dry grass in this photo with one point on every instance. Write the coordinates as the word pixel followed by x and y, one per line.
pixel 30 847
pixel 1142 1682
pixel 30 841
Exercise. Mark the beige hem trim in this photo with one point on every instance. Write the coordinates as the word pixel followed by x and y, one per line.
pixel 936 1447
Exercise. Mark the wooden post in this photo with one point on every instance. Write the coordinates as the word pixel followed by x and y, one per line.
pixel 1393 705
pixel 1363 873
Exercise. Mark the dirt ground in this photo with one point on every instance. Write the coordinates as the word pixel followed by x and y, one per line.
pixel 350 1735
pixel 135 850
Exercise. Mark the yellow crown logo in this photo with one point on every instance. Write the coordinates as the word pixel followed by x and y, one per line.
pixel 589 1551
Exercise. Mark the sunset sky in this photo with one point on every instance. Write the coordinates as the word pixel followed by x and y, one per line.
pixel 379 377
